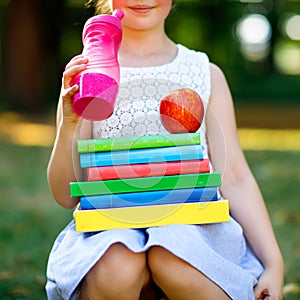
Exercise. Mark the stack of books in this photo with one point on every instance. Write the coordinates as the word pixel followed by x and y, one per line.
pixel 154 180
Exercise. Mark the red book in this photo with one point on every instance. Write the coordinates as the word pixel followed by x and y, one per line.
pixel 148 170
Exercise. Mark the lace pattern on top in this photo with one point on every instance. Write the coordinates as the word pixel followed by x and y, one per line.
pixel 141 89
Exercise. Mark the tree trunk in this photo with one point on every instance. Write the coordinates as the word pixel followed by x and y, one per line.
pixel 23 55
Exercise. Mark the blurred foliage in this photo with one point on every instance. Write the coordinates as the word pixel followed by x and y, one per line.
pixel 206 25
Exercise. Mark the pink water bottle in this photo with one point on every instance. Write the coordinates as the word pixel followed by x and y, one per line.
pixel 99 82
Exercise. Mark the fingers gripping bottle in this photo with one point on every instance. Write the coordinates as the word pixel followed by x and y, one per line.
pixel 99 82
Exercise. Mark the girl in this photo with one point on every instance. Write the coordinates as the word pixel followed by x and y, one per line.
pixel 236 260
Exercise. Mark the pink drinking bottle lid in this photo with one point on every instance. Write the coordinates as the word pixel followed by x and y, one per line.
pixel 113 19
pixel 99 82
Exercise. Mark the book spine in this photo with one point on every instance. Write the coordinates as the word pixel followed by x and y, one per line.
pixel 138 156
pixel 149 216
pixel 148 170
pixel 149 141
pixel 149 198
pixel 90 188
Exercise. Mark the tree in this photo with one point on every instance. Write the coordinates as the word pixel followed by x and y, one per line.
pixel 31 39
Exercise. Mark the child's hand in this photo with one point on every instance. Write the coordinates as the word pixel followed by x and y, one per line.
pixel 269 286
pixel 76 64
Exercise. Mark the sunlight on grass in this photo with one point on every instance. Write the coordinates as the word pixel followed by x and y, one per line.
pixel 32 134
pixel 270 139
pixel 17 130
pixel 291 288
pixel 28 134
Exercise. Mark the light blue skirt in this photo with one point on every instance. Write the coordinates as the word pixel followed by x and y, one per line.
pixel 220 251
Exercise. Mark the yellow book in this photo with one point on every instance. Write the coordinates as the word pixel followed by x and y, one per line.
pixel 150 216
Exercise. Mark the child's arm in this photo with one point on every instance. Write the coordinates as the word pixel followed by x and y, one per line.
pixel 63 166
pixel 239 186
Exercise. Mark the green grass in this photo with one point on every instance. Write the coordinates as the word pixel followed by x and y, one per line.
pixel 30 219
pixel 278 175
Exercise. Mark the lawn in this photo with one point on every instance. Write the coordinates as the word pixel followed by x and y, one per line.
pixel 31 220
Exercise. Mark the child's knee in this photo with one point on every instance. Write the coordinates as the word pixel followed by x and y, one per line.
pixel 118 265
pixel 158 262
pixel 176 277
pixel 166 267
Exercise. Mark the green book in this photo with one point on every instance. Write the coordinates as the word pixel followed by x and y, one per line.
pixel 104 187
pixel 134 142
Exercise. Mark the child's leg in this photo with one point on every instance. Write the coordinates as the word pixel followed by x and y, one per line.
pixel 179 280
pixel 119 274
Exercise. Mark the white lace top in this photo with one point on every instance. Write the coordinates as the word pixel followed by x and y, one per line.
pixel 141 89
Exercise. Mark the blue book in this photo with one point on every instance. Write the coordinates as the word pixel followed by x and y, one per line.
pixel 149 198
pixel 139 156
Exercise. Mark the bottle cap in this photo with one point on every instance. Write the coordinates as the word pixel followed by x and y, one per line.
pixel 114 19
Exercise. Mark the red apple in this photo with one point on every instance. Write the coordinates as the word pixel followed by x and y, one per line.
pixel 182 111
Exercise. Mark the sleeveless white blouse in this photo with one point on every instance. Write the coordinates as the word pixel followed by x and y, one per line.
pixel 141 89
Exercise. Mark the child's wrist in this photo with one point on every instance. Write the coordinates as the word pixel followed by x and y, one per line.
pixel 275 262
pixel 68 124
pixel 68 130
